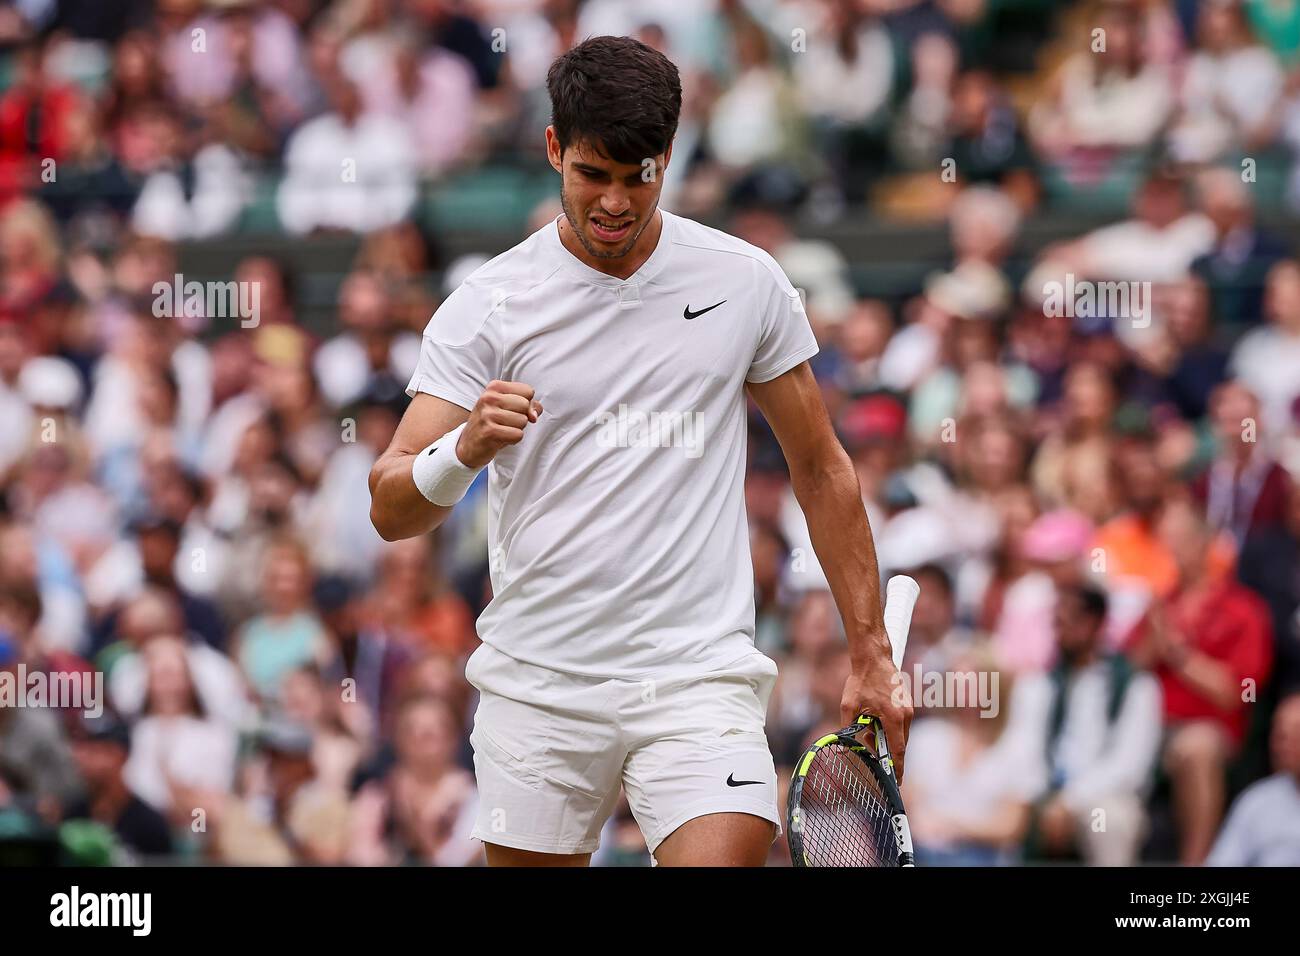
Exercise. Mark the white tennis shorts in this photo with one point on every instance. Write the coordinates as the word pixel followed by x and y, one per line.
pixel 551 749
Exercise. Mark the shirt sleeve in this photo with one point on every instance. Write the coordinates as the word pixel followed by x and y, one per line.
pixel 785 338
pixel 460 352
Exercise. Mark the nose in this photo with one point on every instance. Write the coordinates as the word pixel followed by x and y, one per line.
pixel 615 203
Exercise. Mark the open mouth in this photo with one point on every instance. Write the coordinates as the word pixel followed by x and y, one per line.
pixel 610 230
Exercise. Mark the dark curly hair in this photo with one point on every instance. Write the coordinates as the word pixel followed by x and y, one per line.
pixel 617 95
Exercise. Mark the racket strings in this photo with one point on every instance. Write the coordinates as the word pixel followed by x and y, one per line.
pixel 845 817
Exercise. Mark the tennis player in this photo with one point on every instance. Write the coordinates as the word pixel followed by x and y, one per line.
pixel 599 370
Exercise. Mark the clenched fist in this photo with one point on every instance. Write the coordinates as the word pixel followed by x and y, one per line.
pixel 499 418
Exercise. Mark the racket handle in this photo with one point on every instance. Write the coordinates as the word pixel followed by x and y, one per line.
pixel 900 597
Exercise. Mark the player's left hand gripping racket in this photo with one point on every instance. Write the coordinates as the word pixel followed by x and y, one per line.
pixel 844 807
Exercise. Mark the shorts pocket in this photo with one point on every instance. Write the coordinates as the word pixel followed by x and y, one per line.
pixel 525 770
pixel 737 740
pixel 513 766
pixel 742 733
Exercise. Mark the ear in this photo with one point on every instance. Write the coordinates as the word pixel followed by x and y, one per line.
pixel 554 152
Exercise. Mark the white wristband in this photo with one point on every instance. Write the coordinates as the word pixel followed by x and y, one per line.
pixel 439 474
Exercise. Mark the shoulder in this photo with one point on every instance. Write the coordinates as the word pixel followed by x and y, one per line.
pixel 524 263
pixel 1143 690
pixel 207 732
pixel 382 132
pixel 313 132
pixel 1115 233
pixel 1031 699
pixel 1194 232
pixel 1259 57
pixel 1271 792
pixel 714 246
pixel 1255 342
pixel 145 733
pixel 1247 602
pixel 1033 688
pixel 443 64
pixel 487 289
pixel 1142 680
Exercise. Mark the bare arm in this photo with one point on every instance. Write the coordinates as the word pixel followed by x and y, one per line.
pixel 1164 643
pixel 827 489
pixel 1212 678
pixel 397 508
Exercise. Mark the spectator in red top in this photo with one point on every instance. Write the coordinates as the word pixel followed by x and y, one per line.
pixel 1210 646
pixel 32 112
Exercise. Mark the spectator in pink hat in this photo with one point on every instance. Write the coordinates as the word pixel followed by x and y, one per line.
pixel 1055 545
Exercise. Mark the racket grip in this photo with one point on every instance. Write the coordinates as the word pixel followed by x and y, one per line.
pixel 900 597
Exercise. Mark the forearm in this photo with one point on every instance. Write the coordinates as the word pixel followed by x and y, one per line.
pixel 397 509
pixel 1211 678
pixel 841 536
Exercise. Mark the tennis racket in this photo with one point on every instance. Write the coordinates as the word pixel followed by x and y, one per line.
pixel 845 808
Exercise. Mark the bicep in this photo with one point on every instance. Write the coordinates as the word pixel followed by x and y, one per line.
pixel 792 404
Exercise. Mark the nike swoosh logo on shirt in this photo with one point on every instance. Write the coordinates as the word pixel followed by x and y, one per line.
pixel 733 782
pixel 688 314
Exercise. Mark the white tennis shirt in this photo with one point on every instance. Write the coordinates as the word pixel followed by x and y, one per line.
pixel 618 541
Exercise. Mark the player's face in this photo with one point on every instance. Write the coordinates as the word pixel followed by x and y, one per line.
pixel 608 204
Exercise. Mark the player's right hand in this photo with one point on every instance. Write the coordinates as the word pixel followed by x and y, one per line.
pixel 499 418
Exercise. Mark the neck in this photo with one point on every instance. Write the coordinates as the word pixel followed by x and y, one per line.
pixel 621 267
pixel 1238 452
pixel 425 772
pixel 1082 658
pixel 1195 581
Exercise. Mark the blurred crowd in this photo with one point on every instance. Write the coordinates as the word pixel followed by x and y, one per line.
pixel 1100 502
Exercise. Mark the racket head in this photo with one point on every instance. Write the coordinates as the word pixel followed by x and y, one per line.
pixel 844 806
